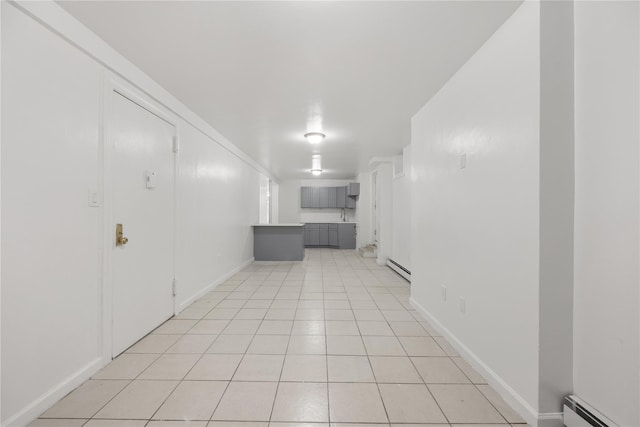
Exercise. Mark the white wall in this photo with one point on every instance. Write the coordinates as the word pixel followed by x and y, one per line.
pixel 401 233
pixel 289 209
pixel 51 246
pixel 50 239
pixel 476 230
pixel 217 197
pixel 265 209
pixel 275 202
pixel 385 202
pixel 606 320
pixel 363 213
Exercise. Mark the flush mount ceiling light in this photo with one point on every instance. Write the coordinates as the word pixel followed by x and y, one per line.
pixel 316 167
pixel 314 137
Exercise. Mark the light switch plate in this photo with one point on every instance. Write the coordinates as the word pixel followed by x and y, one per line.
pixel 150 179
pixel 94 198
pixel 463 160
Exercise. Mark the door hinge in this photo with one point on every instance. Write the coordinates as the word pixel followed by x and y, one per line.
pixel 173 286
pixel 176 144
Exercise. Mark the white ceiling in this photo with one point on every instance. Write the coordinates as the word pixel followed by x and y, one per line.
pixel 264 73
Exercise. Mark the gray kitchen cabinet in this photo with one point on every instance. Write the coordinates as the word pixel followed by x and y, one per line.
pixel 324 197
pixel 333 234
pixel 333 197
pixel 305 197
pixel 351 202
pixel 329 197
pixel 314 237
pixel 323 233
pixel 341 197
pixel 306 232
pixel 347 236
pixel 315 197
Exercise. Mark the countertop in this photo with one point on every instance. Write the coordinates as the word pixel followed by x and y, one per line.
pixel 277 225
pixel 331 222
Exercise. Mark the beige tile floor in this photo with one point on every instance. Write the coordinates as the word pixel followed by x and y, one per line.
pixel 332 339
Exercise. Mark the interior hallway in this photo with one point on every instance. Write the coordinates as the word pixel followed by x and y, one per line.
pixel 332 339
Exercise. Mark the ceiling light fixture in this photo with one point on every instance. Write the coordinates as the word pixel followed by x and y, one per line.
pixel 316 167
pixel 314 137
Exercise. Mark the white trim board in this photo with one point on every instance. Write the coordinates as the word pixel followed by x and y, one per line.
pixel 212 285
pixel 64 25
pixel 505 391
pixel 57 392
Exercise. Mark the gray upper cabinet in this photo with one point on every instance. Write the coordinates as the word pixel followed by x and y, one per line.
pixel 333 197
pixel 315 197
pixel 305 197
pixel 329 197
pixel 353 189
pixel 341 197
pixel 324 197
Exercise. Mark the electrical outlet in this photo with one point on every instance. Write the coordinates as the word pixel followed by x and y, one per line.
pixel 444 293
pixel 463 305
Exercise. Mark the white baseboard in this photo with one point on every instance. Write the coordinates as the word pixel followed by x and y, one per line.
pixel 53 395
pixel 517 402
pixel 212 285
pixel 550 419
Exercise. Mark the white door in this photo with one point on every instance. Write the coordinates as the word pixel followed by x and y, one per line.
pixel 142 171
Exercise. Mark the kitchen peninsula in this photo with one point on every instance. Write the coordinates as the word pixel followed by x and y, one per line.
pixel 278 242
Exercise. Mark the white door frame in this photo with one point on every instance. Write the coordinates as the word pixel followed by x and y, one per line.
pixel 374 207
pixel 111 85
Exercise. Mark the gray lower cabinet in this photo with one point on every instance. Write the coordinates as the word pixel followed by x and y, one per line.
pixel 324 234
pixel 333 234
pixel 342 236
pixel 347 236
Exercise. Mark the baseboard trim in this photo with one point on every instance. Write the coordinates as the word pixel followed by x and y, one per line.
pixel 514 399
pixel 211 286
pixel 550 419
pixel 53 395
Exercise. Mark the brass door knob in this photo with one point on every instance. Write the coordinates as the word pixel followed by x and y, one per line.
pixel 121 240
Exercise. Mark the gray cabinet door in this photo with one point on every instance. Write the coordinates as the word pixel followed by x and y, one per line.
pixel 305 197
pixel 324 234
pixel 306 232
pixel 351 202
pixel 333 237
pixel 315 197
pixel 333 197
pixel 341 197
pixel 324 237
pixel 347 236
pixel 324 197
pixel 314 237
pixel 354 189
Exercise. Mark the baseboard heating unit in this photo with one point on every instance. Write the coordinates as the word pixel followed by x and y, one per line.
pixel 404 272
pixel 577 413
